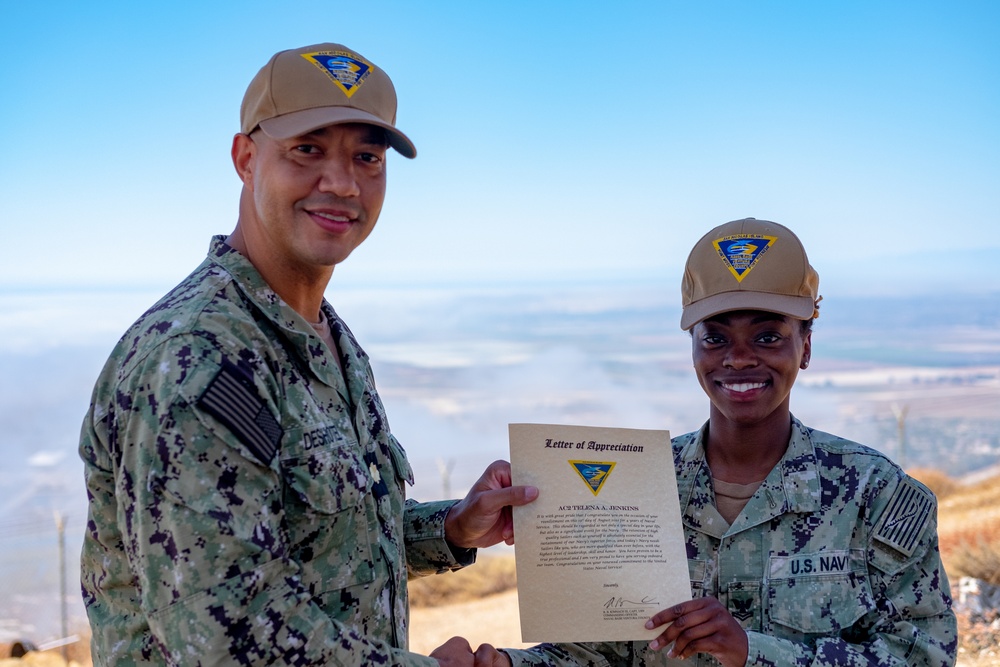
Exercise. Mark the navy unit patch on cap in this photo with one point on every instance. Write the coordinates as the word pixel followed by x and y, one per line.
pixel 903 522
pixel 594 473
pixel 741 252
pixel 346 70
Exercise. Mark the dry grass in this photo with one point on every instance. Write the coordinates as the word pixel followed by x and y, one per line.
pixel 489 576
pixel 974 553
pixel 969 539
pixel 969 531
pixel 941 484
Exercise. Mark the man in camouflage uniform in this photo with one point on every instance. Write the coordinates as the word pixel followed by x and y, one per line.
pixel 247 501
pixel 803 548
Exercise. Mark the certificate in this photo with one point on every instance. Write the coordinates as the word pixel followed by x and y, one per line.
pixel 602 548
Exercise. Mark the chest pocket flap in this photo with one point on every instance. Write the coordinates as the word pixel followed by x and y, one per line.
pixel 819 593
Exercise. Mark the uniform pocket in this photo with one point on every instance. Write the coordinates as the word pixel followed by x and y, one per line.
pixel 698 572
pixel 399 461
pixel 819 593
pixel 328 480
pixel 327 497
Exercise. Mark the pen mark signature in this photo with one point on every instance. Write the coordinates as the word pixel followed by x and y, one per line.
pixel 618 602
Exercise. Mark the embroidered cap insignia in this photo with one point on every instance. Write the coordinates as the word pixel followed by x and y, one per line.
pixel 347 71
pixel 741 252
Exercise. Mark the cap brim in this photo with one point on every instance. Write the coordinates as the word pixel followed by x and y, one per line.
pixel 305 121
pixel 797 307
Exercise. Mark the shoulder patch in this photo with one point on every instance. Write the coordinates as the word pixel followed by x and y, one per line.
pixel 232 399
pixel 904 519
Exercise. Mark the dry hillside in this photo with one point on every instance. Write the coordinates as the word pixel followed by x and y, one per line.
pixel 480 603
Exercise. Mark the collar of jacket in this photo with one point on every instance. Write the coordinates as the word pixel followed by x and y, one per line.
pixel 791 486
pixel 301 338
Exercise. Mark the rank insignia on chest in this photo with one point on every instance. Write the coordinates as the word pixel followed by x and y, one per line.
pixel 741 608
pixel 379 487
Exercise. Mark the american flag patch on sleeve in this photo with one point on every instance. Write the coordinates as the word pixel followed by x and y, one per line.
pixel 232 399
pixel 903 522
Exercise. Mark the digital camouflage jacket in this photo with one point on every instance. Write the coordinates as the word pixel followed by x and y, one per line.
pixel 833 561
pixel 247 501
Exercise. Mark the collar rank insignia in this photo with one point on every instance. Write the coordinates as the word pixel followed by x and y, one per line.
pixel 346 71
pixel 379 487
pixel 594 473
pixel 741 252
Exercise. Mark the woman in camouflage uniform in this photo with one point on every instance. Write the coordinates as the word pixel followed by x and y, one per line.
pixel 803 548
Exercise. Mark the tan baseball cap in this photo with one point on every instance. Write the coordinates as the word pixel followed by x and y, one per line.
pixel 304 89
pixel 748 264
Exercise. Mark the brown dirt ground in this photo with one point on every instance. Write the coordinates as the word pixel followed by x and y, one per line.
pixel 490 620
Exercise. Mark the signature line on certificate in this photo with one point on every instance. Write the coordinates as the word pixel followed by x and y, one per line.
pixel 618 603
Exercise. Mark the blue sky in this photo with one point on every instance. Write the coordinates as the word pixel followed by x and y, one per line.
pixel 557 140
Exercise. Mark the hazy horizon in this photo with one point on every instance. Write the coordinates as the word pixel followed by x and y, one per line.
pixel 455 366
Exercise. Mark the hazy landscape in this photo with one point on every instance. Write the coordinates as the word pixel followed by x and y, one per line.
pixel 455 366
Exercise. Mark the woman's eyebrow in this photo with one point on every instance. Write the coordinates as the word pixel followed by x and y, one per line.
pixel 768 317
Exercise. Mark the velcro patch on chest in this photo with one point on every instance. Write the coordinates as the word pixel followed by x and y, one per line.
pixel 232 398
pixel 822 563
pixel 904 519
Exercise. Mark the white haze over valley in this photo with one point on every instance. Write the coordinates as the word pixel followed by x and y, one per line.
pixel 454 366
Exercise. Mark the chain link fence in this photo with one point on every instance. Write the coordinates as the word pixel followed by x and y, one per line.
pixel 40 598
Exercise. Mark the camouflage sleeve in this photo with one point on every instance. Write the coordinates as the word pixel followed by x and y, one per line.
pixel 608 654
pixel 427 551
pixel 910 621
pixel 118 634
pixel 202 521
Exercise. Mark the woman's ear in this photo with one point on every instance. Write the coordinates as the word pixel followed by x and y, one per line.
pixel 806 351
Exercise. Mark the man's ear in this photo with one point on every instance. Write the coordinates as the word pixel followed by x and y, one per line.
pixel 243 152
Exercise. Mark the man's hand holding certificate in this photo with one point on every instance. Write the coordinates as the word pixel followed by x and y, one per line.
pixel 602 548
